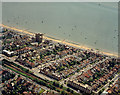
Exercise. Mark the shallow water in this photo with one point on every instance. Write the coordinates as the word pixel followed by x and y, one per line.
pixel 91 24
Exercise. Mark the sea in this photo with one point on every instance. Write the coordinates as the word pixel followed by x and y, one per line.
pixel 91 24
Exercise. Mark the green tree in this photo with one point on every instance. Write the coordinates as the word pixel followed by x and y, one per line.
pixel 68 89
pixel 18 75
pixel 61 86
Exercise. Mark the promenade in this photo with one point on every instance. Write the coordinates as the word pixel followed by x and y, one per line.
pixel 60 41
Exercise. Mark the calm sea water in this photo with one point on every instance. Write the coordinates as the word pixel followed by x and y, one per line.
pixel 90 24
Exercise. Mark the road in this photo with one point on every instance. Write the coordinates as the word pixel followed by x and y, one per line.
pixel 43 87
pixel 80 72
pixel 106 86
pixel 36 70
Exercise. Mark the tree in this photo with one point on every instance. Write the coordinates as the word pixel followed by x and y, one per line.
pixel 68 89
pixel 119 90
pixel 58 90
pixel 56 84
pixel 72 91
pixel 63 92
pixel 61 86
pixel 18 75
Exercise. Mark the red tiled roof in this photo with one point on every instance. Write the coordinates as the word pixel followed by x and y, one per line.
pixel 97 68
pixel 89 72
pixel 109 91
pixel 18 79
pixel 30 63
pixel 1 72
pixel 86 75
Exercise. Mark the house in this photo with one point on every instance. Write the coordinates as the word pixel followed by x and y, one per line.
pixel 80 86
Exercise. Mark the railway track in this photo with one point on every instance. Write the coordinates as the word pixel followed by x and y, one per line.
pixel 28 74
pixel 18 69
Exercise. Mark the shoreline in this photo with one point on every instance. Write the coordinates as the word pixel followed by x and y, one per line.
pixel 60 41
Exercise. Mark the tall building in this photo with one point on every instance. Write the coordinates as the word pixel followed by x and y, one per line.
pixel 118 59
pixel 39 37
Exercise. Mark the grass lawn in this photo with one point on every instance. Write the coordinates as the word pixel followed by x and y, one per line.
pixel 41 91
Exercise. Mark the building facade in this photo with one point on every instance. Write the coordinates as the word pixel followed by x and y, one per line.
pixel 39 37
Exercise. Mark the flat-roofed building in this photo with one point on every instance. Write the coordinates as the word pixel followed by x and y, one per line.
pixel 8 53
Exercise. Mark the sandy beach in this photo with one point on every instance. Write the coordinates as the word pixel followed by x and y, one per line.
pixel 60 41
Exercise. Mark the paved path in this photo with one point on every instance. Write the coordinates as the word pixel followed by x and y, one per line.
pixel 106 86
pixel 36 70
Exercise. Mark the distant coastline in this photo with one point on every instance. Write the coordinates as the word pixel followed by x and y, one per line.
pixel 61 41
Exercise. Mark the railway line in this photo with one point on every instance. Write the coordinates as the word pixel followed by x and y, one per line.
pixel 13 67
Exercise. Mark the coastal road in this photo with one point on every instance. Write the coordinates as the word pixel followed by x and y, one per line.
pixel 59 41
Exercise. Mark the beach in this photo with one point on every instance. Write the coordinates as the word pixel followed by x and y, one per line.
pixel 60 41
